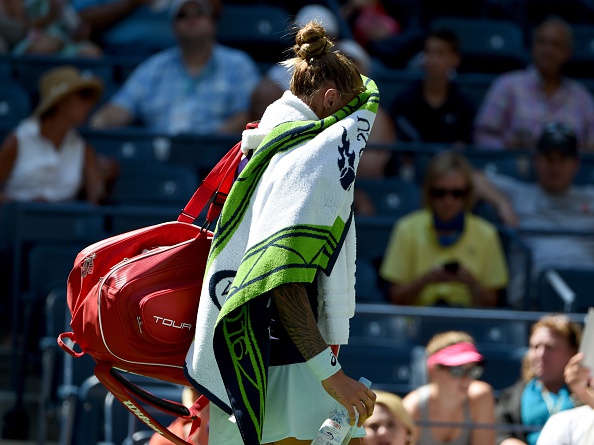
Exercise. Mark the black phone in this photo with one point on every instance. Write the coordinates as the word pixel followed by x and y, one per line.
pixel 451 266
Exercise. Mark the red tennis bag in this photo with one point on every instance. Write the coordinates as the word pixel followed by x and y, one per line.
pixel 134 299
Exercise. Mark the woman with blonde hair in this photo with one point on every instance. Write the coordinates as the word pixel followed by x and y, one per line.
pixel 444 254
pixel 453 397
pixel 542 390
pixel 390 424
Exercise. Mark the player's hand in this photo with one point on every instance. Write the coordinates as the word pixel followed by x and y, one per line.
pixel 352 395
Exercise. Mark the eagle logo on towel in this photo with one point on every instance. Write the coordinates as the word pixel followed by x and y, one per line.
pixel 346 162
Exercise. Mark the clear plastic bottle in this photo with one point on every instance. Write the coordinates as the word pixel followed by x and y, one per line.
pixel 336 429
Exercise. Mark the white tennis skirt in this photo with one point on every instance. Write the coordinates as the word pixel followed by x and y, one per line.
pixel 296 406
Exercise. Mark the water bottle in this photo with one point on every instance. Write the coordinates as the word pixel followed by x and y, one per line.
pixel 336 429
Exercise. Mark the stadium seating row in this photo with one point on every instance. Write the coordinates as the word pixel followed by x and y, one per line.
pixel 386 345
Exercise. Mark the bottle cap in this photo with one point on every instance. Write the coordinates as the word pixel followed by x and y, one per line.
pixel 365 382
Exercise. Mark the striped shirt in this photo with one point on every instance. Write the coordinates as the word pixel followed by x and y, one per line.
pixel 516 107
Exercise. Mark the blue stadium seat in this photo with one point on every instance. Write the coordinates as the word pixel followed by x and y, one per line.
pixel 366 283
pixel 120 424
pixel 392 82
pixel 201 152
pixel 62 375
pixel 132 217
pixel 100 418
pixel 55 320
pixel 387 366
pixel 392 197
pixel 581 64
pixel 487 46
pixel 129 145
pixel 489 333
pixel 15 104
pixel 373 234
pixel 585 175
pixel 573 11
pixel 164 184
pixel 515 163
pixel 579 281
pixel 433 9
pixel 87 414
pixel 29 69
pixel 5 68
pixel 502 365
pixel 475 85
pixel 398 330
pixel 263 31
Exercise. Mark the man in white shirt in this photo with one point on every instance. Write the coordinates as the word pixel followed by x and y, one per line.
pixel 552 203
pixel 573 426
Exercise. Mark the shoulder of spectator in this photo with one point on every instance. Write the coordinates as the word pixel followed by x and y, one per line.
pixel 479 391
pixel 234 56
pixel 411 403
pixel 154 63
pixel 410 220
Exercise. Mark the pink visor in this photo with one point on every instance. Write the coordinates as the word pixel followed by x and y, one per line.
pixel 455 355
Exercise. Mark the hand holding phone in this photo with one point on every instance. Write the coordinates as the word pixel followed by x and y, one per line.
pixel 451 267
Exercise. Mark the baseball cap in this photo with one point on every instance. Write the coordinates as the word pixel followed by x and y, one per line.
pixel 558 136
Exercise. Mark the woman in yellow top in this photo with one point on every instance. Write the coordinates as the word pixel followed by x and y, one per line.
pixel 443 254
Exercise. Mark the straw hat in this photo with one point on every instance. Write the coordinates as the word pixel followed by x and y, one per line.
pixel 58 83
pixel 394 404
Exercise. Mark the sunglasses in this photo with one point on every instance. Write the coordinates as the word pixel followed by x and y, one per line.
pixel 460 371
pixel 441 193
pixel 198 12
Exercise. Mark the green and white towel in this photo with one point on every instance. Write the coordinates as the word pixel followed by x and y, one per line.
pixel 288 216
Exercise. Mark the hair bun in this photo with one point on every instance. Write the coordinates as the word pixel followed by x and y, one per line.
pixel 311 41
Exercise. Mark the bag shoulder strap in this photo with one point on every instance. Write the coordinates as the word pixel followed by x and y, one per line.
pixel 215 187
pixel 128 393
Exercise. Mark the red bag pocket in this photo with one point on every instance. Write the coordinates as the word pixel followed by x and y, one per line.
pixel 169 315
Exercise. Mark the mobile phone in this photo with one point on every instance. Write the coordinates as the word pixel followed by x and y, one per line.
pixel 587 343
pixel 451 266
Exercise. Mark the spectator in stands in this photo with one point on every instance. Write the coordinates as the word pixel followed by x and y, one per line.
pixel 12 29
pixel 453 395
pixel 369 21
pixel 52 27
pixel 552 203
pixel 435 110
pixel 574 426
pixel 45 158
pixel 128 26
pixel 542 391
pixel 443 254
pixel 197 87
pixel 390 423
pixel 181 427
pixel 519 103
